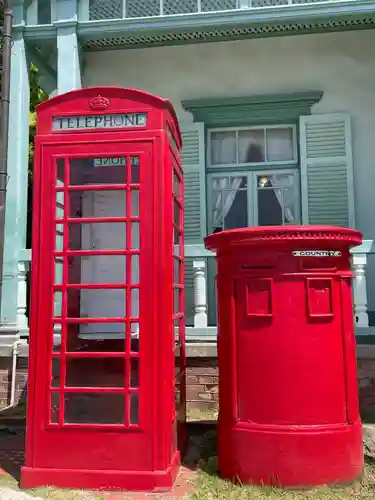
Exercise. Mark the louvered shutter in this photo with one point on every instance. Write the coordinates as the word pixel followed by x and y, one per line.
pixel 193 164
pixel 327 170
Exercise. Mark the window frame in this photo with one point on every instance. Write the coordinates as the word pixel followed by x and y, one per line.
pixel 252 199
pixel 271 164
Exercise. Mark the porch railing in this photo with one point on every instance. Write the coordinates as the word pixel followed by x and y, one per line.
pixel 45 12
pixel 104 9
pixel 200 255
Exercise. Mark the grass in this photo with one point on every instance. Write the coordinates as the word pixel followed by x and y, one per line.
pixel 206 414
pixel 49 492
pixel 209 486
pixel 52 493
pixel 202 457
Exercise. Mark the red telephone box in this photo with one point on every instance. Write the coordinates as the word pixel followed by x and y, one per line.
pixel 288 383
pixel 106 401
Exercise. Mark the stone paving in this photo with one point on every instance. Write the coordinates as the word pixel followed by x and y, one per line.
pixel 11 494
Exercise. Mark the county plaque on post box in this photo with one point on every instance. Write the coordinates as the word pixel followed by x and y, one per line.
pixel 288 385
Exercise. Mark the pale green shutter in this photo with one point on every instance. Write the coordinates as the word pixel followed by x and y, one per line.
pixel 193 165
pixel 327 170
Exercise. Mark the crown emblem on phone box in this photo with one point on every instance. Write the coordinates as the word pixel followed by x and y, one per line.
pixel 99 103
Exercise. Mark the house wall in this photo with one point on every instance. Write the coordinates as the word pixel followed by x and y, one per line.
pixel 342 65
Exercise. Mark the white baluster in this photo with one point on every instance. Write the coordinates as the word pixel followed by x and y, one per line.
pixel 56 335
pixel 22 321
pixel 244 4
pixel 83 11
pixel 200 294
pixel 359 261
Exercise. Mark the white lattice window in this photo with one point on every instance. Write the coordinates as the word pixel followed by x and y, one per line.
pixel 253 177
pixel 251 146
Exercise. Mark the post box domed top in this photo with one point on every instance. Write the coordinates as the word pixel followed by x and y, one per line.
pixel 316 237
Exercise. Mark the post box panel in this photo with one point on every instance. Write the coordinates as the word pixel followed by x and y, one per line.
pixel 319 298
pixel 286 329
pixel 258 297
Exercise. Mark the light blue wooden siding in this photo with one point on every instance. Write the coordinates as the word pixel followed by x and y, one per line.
pixel 193 164
pixel 327 170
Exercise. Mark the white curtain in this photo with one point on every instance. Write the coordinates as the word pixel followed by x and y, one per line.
pixel 226 195
pixel 282 182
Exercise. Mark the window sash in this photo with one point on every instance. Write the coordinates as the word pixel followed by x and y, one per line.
pixel 237 164
pixel 252 193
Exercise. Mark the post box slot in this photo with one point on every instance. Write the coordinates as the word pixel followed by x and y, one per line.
pixel 257 267
pixel 318 265
pixel 259 298
pixel 319 298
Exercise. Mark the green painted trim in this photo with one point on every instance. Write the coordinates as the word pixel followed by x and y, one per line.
pixel 371 317
pixel 365 339
pixel 251 168
pixel 249 110
pixel 333 212
pixel 19 8
pixel 16 203
pixel 131 43
pixel 61 23
pixel 69 69
pixel 298 15
pixel 38 33
pixel 199 168
pixel 225 19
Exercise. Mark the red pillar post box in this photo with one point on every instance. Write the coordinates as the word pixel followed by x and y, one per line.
pixel 106 402
pixel 288 387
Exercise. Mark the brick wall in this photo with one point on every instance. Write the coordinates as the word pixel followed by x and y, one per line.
pixel 366 383
pixel 202 390
pixel 5 383
pixel 202 384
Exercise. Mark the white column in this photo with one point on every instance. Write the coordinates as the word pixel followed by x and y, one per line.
pixel 18 152
pixel 22 321
pixel 69 75
pixel 359 261
pixel 200 294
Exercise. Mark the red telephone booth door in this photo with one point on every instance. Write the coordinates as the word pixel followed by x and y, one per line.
pixel 94 337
